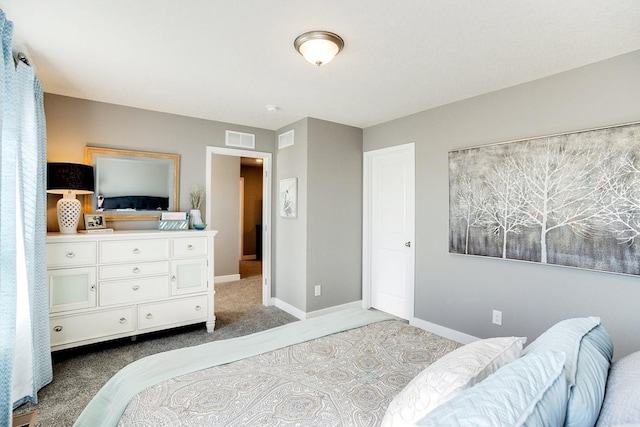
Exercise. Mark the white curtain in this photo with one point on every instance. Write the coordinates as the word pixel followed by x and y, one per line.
pixel 25 359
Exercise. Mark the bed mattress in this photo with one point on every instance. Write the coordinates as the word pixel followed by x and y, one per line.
pixel 345 378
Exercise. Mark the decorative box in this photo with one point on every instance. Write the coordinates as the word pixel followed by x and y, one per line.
pixel 173 224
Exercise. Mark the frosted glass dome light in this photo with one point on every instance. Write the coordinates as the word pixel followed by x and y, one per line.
pixel 318 47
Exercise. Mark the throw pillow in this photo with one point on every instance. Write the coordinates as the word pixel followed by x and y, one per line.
pixel 531 391
pixel 588 348
pixel 449 375
pixel 621 400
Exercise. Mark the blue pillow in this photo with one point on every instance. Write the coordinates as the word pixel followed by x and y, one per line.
pixel 588 348
pixel 530 391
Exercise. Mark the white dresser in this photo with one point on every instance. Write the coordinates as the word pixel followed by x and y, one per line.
pixel 126 283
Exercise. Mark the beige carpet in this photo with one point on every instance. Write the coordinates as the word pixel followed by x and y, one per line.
pixel 79 373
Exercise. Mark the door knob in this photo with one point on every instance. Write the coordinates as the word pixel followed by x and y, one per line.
pixel 408 244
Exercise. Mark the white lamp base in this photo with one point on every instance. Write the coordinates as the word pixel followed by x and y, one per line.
pixel 69 214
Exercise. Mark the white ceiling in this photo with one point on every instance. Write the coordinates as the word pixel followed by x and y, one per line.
pixel 227 60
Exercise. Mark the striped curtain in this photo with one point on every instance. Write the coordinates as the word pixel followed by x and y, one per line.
pixel 25 359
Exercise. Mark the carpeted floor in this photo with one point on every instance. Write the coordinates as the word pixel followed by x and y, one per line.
pixel 79 373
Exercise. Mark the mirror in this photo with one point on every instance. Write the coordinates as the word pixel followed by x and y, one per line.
pixel 132 185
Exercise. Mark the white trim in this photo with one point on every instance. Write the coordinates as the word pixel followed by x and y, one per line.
pixel 445 332
pixel 227 278
pixel 295 312
pixel 266 207
pixel 316 313
pixel 366 221
pixel 249 257
pixel 241 230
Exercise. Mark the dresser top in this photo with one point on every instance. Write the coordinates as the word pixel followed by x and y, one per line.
pixel 127 234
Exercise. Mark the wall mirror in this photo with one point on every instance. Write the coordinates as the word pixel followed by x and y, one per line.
pixel 132 185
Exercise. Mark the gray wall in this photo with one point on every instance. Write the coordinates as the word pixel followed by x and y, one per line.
pixel 290 234
pixel 225 213
pixel 323 245
pixel 459 292
pixel 73 123
pixel 334 206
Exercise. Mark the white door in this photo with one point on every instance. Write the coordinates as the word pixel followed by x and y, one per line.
pixel 389 230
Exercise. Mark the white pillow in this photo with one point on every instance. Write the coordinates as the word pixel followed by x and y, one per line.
pixel 448 376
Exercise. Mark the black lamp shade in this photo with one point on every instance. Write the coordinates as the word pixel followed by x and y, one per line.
pixel 69 178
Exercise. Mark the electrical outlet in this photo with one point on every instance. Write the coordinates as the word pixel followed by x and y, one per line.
pixel 318 290
pixel 497 317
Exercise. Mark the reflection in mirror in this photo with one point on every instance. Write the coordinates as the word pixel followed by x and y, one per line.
pixel 133 185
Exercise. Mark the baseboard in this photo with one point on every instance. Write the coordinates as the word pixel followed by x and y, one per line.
pixel 248 257
pixel 303 316
pixel 228 278
pixel 295 312
pixel 451 334
pixel 316 313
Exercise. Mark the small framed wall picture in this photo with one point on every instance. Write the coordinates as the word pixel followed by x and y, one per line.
pixel 94 221
pixel 289 198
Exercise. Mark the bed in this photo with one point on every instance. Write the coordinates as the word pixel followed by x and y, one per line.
pixel 340 369
pixel 366 368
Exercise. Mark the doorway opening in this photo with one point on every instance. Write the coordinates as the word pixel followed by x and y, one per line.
pixel 239 206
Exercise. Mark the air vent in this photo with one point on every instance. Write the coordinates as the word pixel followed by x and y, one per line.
pixel 240 139
pixel 285 140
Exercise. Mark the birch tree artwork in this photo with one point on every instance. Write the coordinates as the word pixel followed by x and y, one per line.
pixel 570 199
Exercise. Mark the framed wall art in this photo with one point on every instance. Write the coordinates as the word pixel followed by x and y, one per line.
pixel 570 199
pixel 289 198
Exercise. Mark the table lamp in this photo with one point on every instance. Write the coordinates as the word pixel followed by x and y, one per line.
pixel 69 179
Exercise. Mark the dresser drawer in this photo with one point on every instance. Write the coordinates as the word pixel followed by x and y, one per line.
pixel 138 269
pixel 190 246
pixel 191 309
pixel 134 250
pixel 71 254
pixel 87 326
pixel 133 290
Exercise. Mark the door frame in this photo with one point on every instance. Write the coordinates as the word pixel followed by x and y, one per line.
pixel 266 207
pixel 367 225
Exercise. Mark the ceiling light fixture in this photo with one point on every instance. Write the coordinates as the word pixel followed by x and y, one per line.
pixel 318 47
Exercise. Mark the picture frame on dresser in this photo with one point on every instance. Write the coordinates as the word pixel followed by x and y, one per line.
pixel 94 221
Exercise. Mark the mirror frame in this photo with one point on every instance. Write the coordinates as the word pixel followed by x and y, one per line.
pixel 91 152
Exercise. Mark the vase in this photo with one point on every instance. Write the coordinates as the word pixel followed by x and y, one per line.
pixel 195 217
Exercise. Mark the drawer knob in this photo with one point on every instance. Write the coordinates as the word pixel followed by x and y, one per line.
pixel 57 328
pixel 149 316
pixel 190 247
pixel 198 308
pixel 173 278
pixel 93 288
pixel 136 270
pixel 70 254
pixel 136 251
pixel 135 287
pixel 123 320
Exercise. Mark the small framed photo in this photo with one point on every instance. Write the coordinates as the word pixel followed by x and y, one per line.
pixel 289 198
pixel 94 221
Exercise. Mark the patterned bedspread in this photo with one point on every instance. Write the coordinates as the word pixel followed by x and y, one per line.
pixel 344 379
